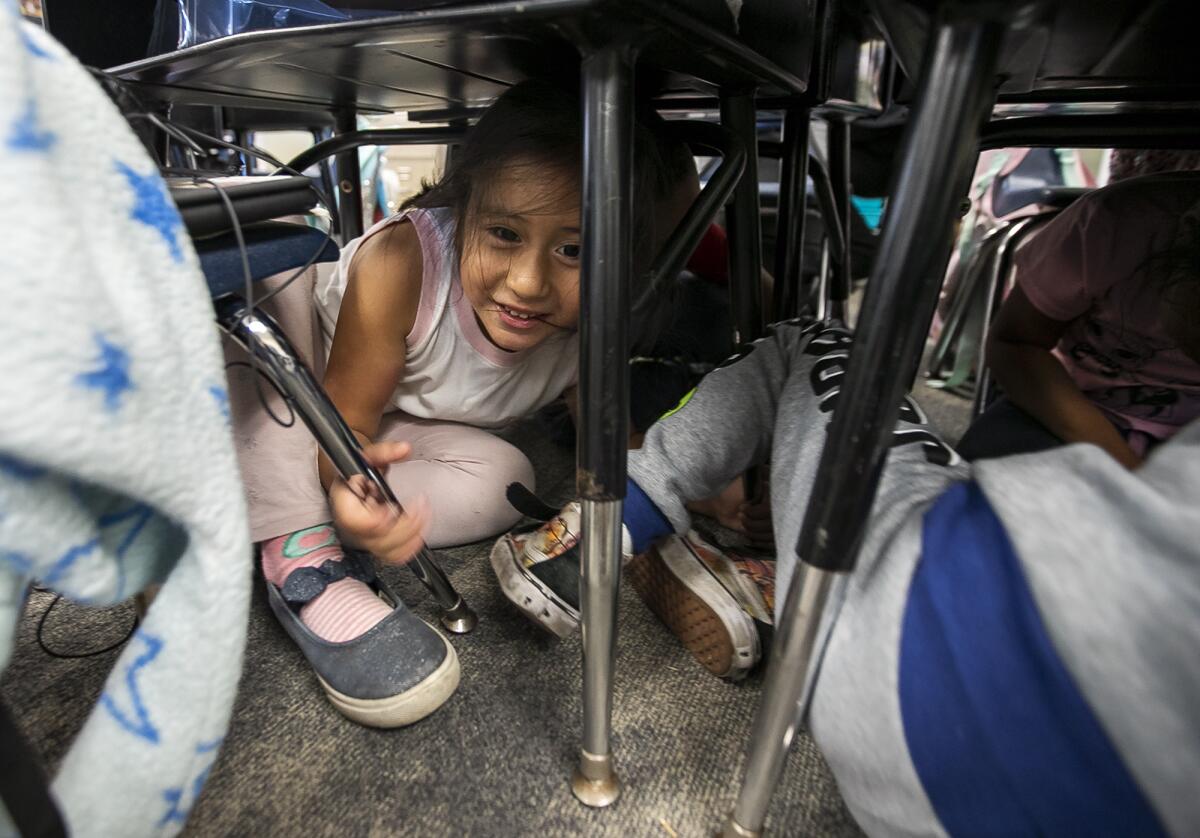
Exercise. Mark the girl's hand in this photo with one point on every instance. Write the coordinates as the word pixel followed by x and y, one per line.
pixel 364 518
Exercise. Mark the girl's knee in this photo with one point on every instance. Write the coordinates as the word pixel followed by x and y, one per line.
pixel 508 464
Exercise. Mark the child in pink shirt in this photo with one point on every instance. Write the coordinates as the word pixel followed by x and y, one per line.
pixel 1093 343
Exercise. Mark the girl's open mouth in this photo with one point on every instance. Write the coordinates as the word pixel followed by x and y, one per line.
pixel 518 319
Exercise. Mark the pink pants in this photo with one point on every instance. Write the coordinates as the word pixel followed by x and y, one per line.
pixel 462 470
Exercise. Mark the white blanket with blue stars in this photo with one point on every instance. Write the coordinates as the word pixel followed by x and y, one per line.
pixel 117 467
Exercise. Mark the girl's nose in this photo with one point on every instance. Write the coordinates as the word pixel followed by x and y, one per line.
pixel 529 275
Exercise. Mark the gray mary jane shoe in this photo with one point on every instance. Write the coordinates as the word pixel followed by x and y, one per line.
pixel 397 673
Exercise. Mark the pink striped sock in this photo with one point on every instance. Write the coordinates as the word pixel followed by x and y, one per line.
pixel 346 609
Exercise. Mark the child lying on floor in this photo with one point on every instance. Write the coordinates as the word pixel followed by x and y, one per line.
pixel 1016 647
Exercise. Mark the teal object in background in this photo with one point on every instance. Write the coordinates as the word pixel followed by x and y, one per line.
pixel 871 209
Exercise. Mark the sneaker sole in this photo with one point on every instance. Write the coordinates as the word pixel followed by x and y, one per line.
pixel 534 599
pixel 675 585
pixel 408 707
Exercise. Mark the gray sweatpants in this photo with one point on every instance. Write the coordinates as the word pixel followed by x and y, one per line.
pixel 1110 558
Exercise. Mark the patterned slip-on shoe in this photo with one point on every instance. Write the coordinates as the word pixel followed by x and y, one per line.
pixel 687 583
pixel 756 581
pixel 538 570
pixel 395 674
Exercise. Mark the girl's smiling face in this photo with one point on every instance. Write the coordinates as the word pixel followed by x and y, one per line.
pixel 520 255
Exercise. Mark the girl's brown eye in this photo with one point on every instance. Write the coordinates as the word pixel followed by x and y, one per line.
pixel 571 251
pixel 504 234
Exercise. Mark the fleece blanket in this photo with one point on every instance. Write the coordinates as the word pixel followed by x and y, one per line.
pixel 117 467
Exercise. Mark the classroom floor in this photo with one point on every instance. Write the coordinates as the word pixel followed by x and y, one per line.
pixel 494 760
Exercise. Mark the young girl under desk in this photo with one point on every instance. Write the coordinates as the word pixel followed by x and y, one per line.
pixel 446 321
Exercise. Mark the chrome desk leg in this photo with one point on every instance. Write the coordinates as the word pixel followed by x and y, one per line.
pixel 256 332
pixel 957 89
pixel 604 393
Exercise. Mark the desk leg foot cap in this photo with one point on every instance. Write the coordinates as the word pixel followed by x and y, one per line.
pixel 594 782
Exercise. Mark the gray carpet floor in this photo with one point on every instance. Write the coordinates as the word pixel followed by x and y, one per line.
pixel 493 761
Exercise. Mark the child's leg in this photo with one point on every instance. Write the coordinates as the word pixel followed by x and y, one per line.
pixel 1002 430
pixel 334 616
pixel 463 471
pixel 289 512
pixel 779 398
pixel 720 429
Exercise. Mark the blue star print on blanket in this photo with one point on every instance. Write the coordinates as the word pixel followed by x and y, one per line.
pixel 111 376
pixel 153 207
pixel 137 719
pixel 26 134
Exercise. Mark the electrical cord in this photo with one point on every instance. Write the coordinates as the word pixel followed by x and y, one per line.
pixel 41 626
pixel 282 395
pixel 248 290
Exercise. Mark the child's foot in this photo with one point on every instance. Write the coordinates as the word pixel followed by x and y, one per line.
pixel 713 603
pixel 538 570
pixel 538 566
pixel 330 603
pixel 707 600
pixel 346 608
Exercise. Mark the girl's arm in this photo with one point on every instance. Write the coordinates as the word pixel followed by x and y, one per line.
pixel 1019 356
pixel 377 313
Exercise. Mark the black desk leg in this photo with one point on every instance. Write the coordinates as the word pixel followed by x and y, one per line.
pixel 956 91
pixel 604 394
pixel 839 175
pixel 793 205
pixel 350 206
pixel 745 226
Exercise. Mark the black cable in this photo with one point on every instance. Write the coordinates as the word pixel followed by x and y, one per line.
pixel 167 128
pixel 286 399
pixel 252 303
pixel 312 260
pixel 322 199
pixel 202 176
pixel 137 621
pixel 248 289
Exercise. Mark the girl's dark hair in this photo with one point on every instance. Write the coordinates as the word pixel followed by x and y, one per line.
pixel 531 122
pixel 538 123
